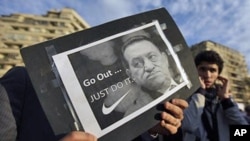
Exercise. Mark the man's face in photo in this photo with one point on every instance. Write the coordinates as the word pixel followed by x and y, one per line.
pixel 148 67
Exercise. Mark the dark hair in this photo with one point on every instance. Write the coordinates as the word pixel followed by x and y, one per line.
pixel 146 34
pixel 128 42
pixel 247 108
pixel 210 57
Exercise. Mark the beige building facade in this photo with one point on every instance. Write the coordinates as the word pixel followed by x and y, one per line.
pixel 235 68
pixel 22 30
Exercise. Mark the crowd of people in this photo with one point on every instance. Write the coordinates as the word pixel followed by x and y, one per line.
pixel 205 116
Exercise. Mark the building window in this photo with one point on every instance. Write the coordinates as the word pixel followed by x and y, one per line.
pixel 29 21
pixel 240 96
pixel 43 22
pixel 234 75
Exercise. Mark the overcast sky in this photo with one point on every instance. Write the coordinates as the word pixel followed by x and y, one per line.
pixel 226 22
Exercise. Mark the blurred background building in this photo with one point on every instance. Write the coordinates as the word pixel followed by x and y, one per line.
pixel 22 30
pixel 235 69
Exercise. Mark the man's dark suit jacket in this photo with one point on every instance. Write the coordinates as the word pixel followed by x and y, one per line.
pixel 31 122
pixel 7 121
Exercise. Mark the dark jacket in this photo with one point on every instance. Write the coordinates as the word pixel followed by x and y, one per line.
pixel 7 121
pixel 31 122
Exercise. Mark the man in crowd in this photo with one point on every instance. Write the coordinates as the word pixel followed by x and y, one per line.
pixel 211 110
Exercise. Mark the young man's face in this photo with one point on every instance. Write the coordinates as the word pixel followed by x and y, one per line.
pixel 208 72
pixel 147 65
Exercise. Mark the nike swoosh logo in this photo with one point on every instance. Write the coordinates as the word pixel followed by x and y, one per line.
pixel 108 110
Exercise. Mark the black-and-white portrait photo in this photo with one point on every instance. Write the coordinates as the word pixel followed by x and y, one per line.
pixel 123 75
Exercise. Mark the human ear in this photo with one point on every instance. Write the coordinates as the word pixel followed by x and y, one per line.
pixel 165 56
pixel 129 74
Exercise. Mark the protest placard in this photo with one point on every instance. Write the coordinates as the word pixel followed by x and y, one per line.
pixel 106 80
